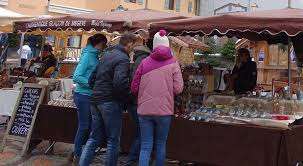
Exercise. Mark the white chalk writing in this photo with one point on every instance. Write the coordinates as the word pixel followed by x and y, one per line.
pixel 67 23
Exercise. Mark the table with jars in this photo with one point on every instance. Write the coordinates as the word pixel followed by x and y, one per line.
pixel 228 130
pixel 234 131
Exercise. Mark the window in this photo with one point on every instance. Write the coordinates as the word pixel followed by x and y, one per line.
pixel 135 1
pixel 178 5
pixel 190 7
pixel 169 4
pixel 132 1
pixel 74 41
pixel 229 8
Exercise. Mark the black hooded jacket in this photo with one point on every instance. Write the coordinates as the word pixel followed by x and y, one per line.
pixel 110 80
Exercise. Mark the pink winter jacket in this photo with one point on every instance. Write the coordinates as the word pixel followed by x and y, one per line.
pixel 157 80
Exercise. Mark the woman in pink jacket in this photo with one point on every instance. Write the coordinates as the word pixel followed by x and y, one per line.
pixel 157 80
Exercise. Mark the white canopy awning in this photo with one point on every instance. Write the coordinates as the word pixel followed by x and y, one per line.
pixel 7 17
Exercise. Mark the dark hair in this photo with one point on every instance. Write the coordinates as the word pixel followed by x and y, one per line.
pixel 48 48
pixel 149 43
pixel 246 52
pixel 96 39
pixel 127 38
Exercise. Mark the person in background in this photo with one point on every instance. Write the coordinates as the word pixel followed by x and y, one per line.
pixel 33 41
pixel 48 60
pixel 157 80
pixel 25 52
pixel 88 63
pixel 140 52
pixel 244 75
pixel 110 82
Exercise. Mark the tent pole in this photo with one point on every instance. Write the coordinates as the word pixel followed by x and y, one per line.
pixel 289 67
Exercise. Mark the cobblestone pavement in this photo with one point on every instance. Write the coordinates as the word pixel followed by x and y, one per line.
pixel 10 156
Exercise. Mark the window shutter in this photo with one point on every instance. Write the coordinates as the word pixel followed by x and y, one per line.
pixel 166 5
pixel 190 7
pixel 178 5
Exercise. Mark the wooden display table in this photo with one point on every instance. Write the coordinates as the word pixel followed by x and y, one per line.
pixel 212 144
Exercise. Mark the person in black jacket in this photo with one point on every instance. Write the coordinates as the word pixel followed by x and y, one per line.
pixel 110 82
pixel 244 73
pixel 140 52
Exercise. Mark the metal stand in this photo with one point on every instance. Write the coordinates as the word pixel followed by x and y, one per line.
pixel 289 68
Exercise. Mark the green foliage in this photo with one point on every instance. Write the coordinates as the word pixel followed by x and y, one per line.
pixel 214 61
pixel 228 50
pixel 13 40
pixel 210 41
pixel 198 58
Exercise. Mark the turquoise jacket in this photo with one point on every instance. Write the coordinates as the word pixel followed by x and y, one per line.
pixel 88 63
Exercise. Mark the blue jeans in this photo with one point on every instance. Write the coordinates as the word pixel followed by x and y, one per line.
pixel 106 123
pixel 84 122
pixel 134 151
pixel 154 131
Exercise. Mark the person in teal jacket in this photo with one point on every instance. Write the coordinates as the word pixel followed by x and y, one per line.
pixel 88 63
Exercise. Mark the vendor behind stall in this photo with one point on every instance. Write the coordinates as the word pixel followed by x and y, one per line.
pixel 244 75
pixel 48 60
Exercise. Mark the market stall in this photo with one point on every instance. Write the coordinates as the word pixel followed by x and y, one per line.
pixel 214 144
pixel 209 129
pixel 12 81
pixel 257 109
pixel 70 33
pixel 273 26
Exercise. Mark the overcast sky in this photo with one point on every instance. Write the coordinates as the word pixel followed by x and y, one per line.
pixel 276 4
pixel 263 4
pixel 208 6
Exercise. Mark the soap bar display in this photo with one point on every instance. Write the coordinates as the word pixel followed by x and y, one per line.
pixel 62 103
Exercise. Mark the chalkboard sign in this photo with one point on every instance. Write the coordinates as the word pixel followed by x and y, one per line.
pixel 25 112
